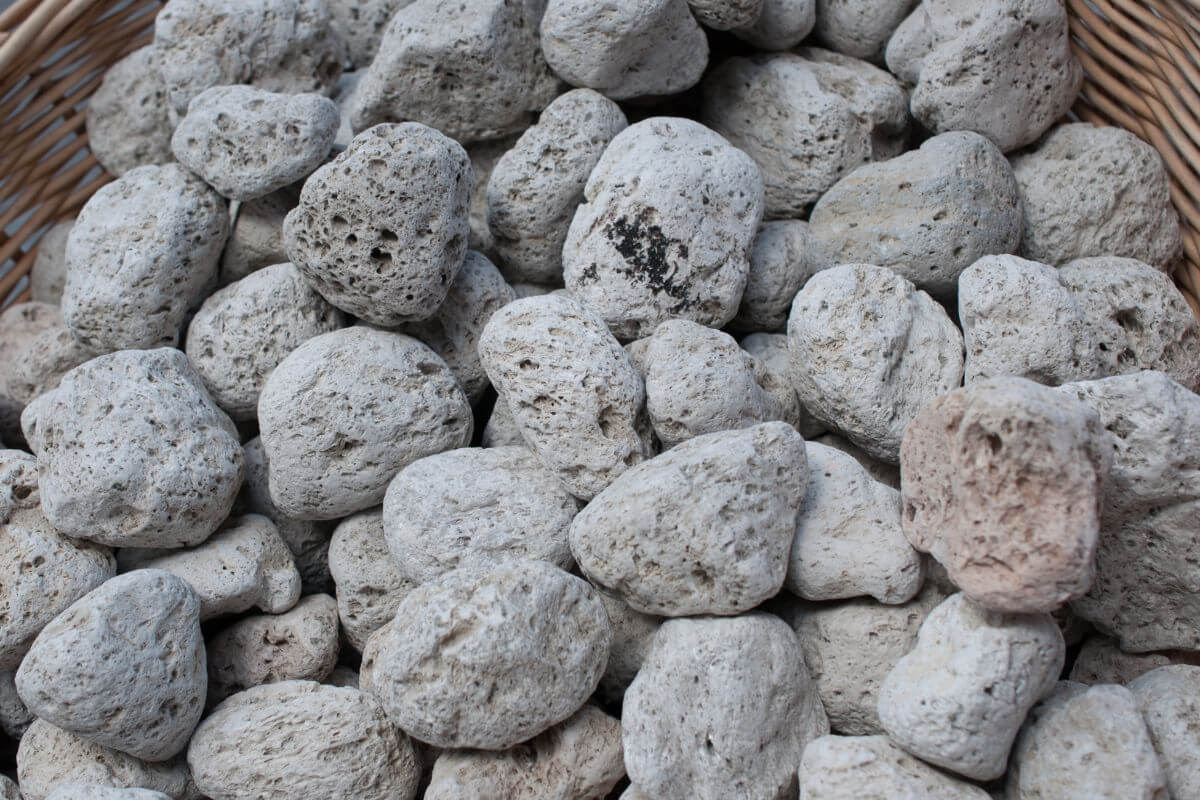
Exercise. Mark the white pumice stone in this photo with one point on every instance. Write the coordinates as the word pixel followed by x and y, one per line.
pixel 1086 742
pixel 49 270
pixel 123 666
pixel 247 142
pixel 204 43
pixel 859 28
pixel 244 565
pixel 256 237
pixel 849 649
pixel 1101 660
pixel 1003 482
pixel 36 350
pixel 142 254
pixel 699 381
pixel 1169 700
pixel 958 698
pixel 779 266
pixel 296 739
pixel 78 791
pixel 666 228
pixel 127 121
pixel 722 708
pixel 488 658
pixel 10 791
pixel 807 121
pixel 473 506
pixel 1148 556
pixel 1003 69
pixel 1139 318
pixel 927 214
pixel 872 768
pixel 724 15
pixel 534 188
pixel 347 410
pixel 771 350
pixel 369 582
pixel 632 634
pixel 243 331
pixel 15 716
pixel 477 292
pixel 472 69
pixel 132 452
pixel 301 644
pixel 577 760
pixel 869 351
pixel 381 230
pixel 501 429
pixel 625 48
pixel 849 541
pixel 704 528
pixel 50 757
pixel 360 24
pixel 572 390
pixel 484 156
pixel 781 24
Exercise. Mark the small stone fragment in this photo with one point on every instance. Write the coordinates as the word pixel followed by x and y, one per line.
pixel 872 768
pixel 779 266
pixel 49 271
pixel 369 582
pixel 256 239
pixel 1100 660
pixel 1169 700
pixel 859 28
pixel 127 121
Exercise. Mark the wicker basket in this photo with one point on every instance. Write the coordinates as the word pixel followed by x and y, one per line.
pixel 1141 58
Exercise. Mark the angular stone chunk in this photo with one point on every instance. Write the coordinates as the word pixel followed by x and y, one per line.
pixel 722 708
pixel 779 266
pixel 869 351
pixel 872 768
pixel 381 230
pixel 369 582
pixel 957 699
pixel 127 119
pixel 1003 482
pixel 927 214
pixel 1169 699
pixel 1100 660
pixel 123 666
pixel 704 528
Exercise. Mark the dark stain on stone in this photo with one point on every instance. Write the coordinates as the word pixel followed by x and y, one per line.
pixel 645 248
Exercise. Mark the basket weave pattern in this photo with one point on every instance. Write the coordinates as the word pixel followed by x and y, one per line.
pixel 1141 60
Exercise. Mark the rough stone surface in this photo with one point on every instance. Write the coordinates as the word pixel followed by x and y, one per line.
pixel 501 429
pixel 665 231
pixel 488 658
pixel 49 271
pixel 78 791
pixel 347 410
pixel 1090 191
pixel 535 187
pixel 958 698
pixel 298 738
pixel 624 48
pixel 1001 68
pixel 779 266
pixel 1003 482
pixel 36 350
pixel 632 633
pixel 572 390
pixel 927 214
pixel 484 156
pixel 859 28
pixel 127 120
pixel 132 452
pixel 872 768
pixel 15 717
pixel 869 351
pixel 381 230
pixel 243 332
pixel 723 15
pixel 771 350
pixel 1086 742
pixel 722 708
pixel 781 24
pixel 369 582
pixel 1169 700
pixel 472 69
pixel 1100 660
pixel 360 24
pixel 247 142
pixel 704 528
pixel 256 238
pixel 204 43
pixel 143 253
pixel 122 667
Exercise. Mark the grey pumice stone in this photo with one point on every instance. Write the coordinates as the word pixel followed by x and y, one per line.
pixel 624 48
pixel 500 79
pixel 869 351
pixel 704 528
pixel 381 230
pixel 472 506
pixel 360 24
pixel 632 633
pixel 489 657
pixel 572 390
pixel 927 214
pixel 347 410
pixel 132 452
pixel 665 229
pixel 78 791
pixel 36 350
pixel 247 142
pixel 958 698
pixel 781 24
pixel 1101 660
pixel 771 350
pixel 1169 699
pixel 204 43
pixel 256 236
pixel 123 666
pixel 859 28
pixel 535 187
pixel 243 331
pixel 723 707
pixel 369 582
pixel 49 271
pixel 298 738
pixel 724 15
pixel 872 768
pixel 501 429
pixel 142 254
pixel 15 717
pixel 127 121
pixel 484 156
pixel 779 266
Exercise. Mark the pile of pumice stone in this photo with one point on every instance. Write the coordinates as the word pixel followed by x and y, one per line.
pixel 570 399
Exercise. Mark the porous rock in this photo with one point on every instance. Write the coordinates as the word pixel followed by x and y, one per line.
pixel 632 633
pixel 724 15
pixel 1101 660
pixel 1169 700
pixel 859 28
pixel 779 266
pixel 771 350
pixel 872 768
pixel 360 24
pixel 781 24
pixel 49 270
pixel 79 791
pixel 15 717
pixel 369 582
pixel 127 120
pixel 36 350
pixel 256 237
pixel 882 471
